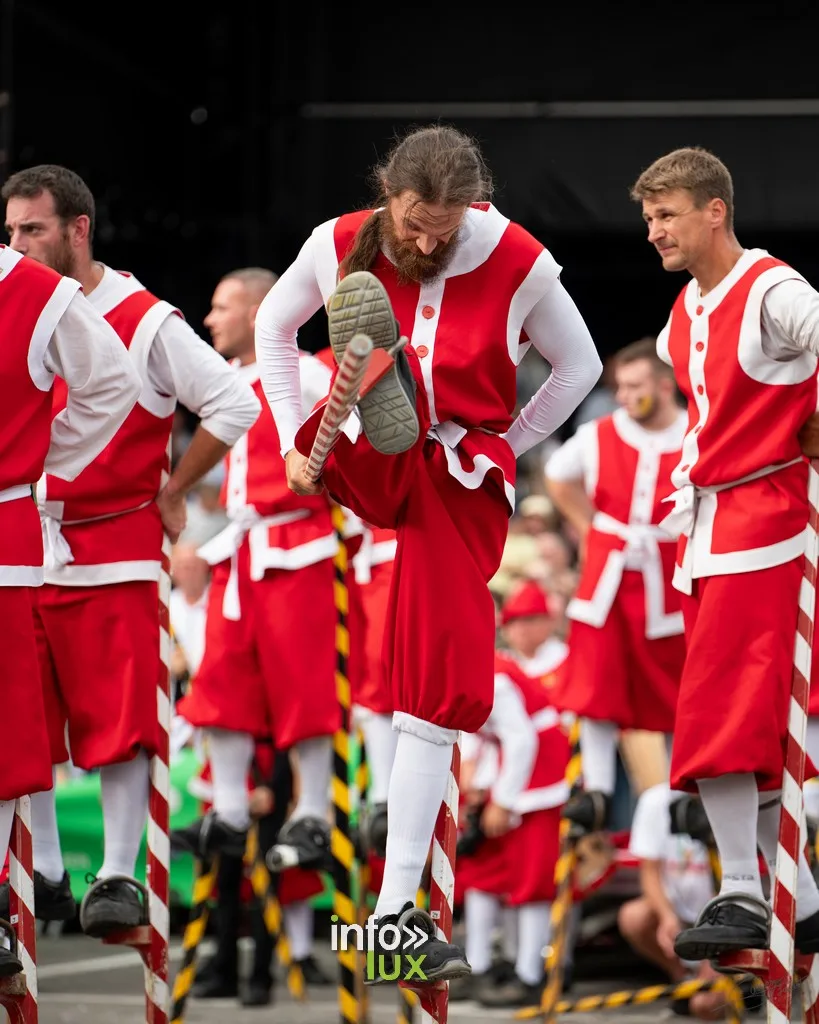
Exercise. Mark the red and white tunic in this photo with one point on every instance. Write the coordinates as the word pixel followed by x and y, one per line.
pixel 750 381
pixel 522 750
pixel 626 470
pixel 284 530
pixel 47 328
pixel 470 328
pixel 104 526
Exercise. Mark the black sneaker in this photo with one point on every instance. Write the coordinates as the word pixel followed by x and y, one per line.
pixel 726 924
pixel 469 986
pixel 806 936
pixel 374 833
pixel 53 901
pixel 214 986
pixel 360 305
pixel 419 957
pixel 312 972
pixel 588 812
pixel 256 994
pixel 208 836
pixel 514 993
pixel 112 905
pixel 688 817
pixel 303 843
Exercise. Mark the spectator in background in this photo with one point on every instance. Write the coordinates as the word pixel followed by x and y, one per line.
pixel 601 400
pixel 188 604
pixel 676 882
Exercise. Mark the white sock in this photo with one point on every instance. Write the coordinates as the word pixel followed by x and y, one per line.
pixel 298 924
pixel 481 912
pixel 732 805
pixel 509 932
pixel 380 741
pixel 48 855
pixel 124 813
pixel 6 822
pixel 534 928
pixel 315 764
pixel 417 787
pixel 807 895
pixel 230 755
pixel 598 749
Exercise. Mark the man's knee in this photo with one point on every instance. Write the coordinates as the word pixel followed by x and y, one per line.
pixel 636 919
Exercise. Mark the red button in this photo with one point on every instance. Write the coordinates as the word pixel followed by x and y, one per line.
pixel 700 389
pixel 422 351
pixel 700 346
pixel 684 468
pixel 697 429
pixel 699 310
pixel 428 312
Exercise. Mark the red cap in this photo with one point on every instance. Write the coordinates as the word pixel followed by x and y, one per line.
pixel 527 600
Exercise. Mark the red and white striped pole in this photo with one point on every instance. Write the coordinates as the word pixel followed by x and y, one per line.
pixel 157 992
pixel 779 981
pixel 20 993
pixel 340 402
pixel 434 999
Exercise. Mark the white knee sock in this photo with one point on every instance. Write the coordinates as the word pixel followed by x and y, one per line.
pixel 380 741
pixel 732 805
pixel 509 920
pixel 533 937
pixel 598 747
pixel 417 787
pixel 6 821
pixel 124 813
pixel 298 924
pixel 807 895
pixel 48 856
pixel 481 912
pixel 230 755
pixel 315 764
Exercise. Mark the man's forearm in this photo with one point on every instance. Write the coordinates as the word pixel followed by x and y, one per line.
pixel 572 502
pixel 653 890
pixel 202 454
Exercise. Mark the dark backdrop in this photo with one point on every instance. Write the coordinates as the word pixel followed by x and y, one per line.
pixel 219 140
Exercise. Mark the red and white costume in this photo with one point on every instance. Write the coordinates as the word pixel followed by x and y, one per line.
pixel 525 769
pixel 48 329
pixel 269 662
pixel 744 355
pixel 373 566
pixel 97 615
pixel 626 642
pixel 468 330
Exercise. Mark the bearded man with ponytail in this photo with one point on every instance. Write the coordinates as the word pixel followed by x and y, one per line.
pixel 433 448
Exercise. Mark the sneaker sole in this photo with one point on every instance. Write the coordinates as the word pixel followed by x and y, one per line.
pixel 360 305
pixel 707 949
pixel 99 928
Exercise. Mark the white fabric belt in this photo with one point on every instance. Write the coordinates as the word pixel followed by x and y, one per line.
pixel 681 519
pixel 15 493
pixel 641 540
pixel 226 544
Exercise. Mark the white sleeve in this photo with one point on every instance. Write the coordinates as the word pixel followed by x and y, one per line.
pixel 568 462
pixel 790 317
pixel 289 304
pixel 181 364
pixel 103 386
pixel 516 732
pixel 315 382
pixel 650 826
pixel 559 333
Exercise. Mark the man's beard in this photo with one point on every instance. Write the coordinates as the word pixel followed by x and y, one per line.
pixel 411 264
pixel 61 258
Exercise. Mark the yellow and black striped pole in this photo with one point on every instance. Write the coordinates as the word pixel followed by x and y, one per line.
pixel 361 786
pixel 562 903
pixel 352 1007
pixel 262 885
pixel 734 1005
pixel 197 922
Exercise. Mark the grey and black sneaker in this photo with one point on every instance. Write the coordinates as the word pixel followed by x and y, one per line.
pixel 375 830
pixel 53 901
pixel 208 836
pixel 10 962
pixel 588 812
pixel 303 843
pixel 406 948
pixel 113 904
pixel 726 924
pixel 360 305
